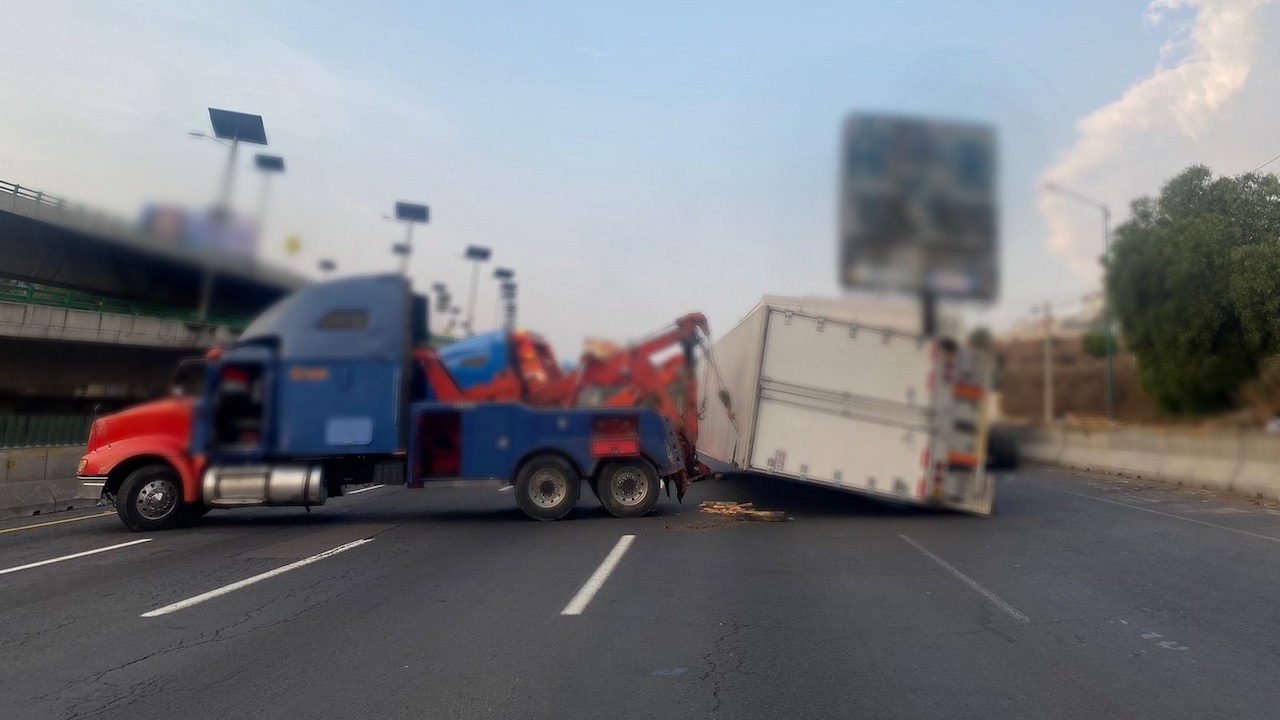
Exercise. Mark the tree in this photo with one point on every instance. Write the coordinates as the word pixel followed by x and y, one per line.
pixel 1194 278
pixel 1095 345
pixel 980 338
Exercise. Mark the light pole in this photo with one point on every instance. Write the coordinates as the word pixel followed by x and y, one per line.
pixel 237 127
pixel 269 165
pixel 454 312
pixel 443 299
pixel 1106 305
pixel 509 295
pixel 503 276
pixel 476 254
pixel 410 214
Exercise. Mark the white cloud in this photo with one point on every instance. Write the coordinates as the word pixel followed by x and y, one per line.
pixel 1159 124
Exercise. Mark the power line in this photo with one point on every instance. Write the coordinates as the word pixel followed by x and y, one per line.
pixel 1265 164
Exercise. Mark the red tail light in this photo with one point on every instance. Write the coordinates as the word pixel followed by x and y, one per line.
pixel 615 437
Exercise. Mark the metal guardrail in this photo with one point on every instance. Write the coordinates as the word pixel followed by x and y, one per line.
pixel 26 431
pixel 71 300
pixel 41 197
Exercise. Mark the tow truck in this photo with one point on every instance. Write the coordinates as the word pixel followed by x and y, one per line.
pixel 336 385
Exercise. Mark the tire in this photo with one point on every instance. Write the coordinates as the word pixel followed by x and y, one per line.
pixel 150 499
pixel 196 510
pixel 547 487
pixel 1002 450
pixel 629 488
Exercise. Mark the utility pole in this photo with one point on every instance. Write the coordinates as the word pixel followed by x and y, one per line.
pixel 1048 363
pixel 1106 312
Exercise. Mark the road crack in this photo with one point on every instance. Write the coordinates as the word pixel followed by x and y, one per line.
pixel 723 661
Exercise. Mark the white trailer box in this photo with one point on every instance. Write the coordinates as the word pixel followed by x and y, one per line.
pixel 849 396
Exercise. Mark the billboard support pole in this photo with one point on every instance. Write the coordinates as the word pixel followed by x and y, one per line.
pixel 928 312
pixel 221 214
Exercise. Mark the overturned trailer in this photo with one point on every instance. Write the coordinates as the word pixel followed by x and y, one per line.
pixel 850 395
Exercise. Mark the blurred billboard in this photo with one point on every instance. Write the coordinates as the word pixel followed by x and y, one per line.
pixel 199 230
pixel 918 207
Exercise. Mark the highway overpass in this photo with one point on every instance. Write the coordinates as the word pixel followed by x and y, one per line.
pixel 94 312
pixel 47 240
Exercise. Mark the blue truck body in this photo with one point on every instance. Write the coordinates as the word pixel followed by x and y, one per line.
pixel 497 438
pixel 325 388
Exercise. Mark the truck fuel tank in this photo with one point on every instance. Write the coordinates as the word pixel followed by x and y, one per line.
pixel 274 485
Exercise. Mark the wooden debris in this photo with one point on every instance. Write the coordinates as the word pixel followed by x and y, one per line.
pixel 742 511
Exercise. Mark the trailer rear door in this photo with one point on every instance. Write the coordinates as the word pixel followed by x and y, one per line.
pixel 844 406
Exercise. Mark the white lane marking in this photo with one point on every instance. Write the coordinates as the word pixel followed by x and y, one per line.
pixel 1171 515
pixel 28 566
pixel 978 588
pixel 365 489
pixel 596 581
pixel 506 488
pixel 183 604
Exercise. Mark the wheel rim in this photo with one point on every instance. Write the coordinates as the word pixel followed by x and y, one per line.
pixel 629 487
pixel 157 499
pixel 548 488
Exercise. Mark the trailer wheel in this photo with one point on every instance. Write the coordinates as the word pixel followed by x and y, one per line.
pixel 150 499
pixel 547 487
pixel 629 488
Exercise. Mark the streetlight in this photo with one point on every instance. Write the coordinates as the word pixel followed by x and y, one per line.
pixel 444 300
pixel 503 276
pixel 454 312
pixel 1106 305
pixel 237 127
pixel 476 254
pixel 268 165
pixel 410 214
pixel 509 296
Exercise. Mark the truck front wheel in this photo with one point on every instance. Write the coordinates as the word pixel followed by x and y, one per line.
pixel 547 487
pixel 150 499
pixel 629 488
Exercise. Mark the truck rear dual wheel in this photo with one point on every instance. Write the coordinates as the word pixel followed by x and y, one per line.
pixel 547 487
pixel 150 499
pixel 628 488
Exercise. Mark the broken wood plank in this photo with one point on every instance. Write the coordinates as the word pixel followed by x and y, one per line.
pixel 741 511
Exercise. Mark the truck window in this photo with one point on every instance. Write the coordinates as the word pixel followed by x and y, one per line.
pixel 238 405
pixel 344 320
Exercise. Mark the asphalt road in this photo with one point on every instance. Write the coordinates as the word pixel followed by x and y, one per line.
pixel 1083 598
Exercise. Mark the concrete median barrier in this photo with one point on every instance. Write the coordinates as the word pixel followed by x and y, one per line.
pixel 1244 462
pixel 1259 473
pixel 24 499
pixel 36 481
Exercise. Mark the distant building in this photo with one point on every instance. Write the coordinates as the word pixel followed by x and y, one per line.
pixel 1079 378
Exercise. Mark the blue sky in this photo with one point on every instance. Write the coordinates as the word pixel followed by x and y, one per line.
pixel 632 161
